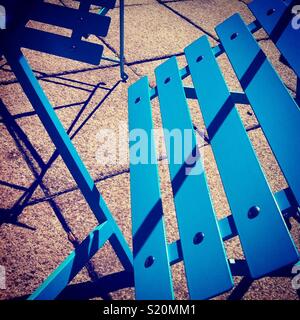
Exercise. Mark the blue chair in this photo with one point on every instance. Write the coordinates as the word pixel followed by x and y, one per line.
pixel 258 216
pixel 80 21
pixel 12 39
pixel 257 213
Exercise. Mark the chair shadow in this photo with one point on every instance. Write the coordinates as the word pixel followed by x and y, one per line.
pixel 182 16
pixel 33 160
pixel 100 288
pixel 244 285
pixel 32 157
pixel 104 286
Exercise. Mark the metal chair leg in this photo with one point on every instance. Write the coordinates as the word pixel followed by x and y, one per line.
pixel 123 74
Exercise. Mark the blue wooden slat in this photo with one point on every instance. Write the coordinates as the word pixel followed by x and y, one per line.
pixel 227 226
pixel 150 258
pixel 276 18
pixel 242 177
pixel 110 4
pixel 195 214
pixel 56 44
pixel 274 107
pixel 76 260
pixel 79 20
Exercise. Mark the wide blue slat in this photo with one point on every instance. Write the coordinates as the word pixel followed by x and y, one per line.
pixel 76 19
pixel 276 18
pixel 110 4
pixel 266 242
pixel 56 44
pixel 19 11
pixel 274 107
pixel 200 237
pixel 150 258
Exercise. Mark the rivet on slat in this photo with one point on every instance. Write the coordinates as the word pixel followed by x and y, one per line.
pixel 270 12
pixel 200 58
pixel 73 46
pixel 198 238
pixel 253 212
pixel 149 261
pixel 167 80
pixel 137 100
pixel 234 36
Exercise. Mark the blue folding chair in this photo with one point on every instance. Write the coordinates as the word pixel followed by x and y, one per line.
pixel 258 216
pixel 256 211
pixel 12 39
pixel 81 21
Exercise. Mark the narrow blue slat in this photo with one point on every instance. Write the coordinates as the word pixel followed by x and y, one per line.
pixel 79 20
pixel 266 242
pixel 274 107
pixel 276 18
pixel 56 44
pixel 76 260
pixel 195 214
pixel 150 256
pixel 110 4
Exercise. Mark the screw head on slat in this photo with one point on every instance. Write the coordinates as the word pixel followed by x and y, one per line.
pixel 200 58
pixel 167 80
pixel 149 261
pixel 253 212
pixel 234 36
pixel 137 100
pixel 270 11
pixel 198 238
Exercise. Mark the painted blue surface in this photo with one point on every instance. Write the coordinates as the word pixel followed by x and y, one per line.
pixel 152 273
pixel 244 182
pixel 80 21
pixel 195 214
pixel 58 45
pixel 257 217
pixel 275 109
pixel 227 226
pixel 69 154
pixel 276 18
pixel 242 177
pixel 77 259
pixel 110 4
pixel 83 51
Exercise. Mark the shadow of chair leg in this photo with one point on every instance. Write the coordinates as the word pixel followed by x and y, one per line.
pixel 240 290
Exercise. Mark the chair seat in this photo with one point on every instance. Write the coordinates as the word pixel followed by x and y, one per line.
pixel 256 213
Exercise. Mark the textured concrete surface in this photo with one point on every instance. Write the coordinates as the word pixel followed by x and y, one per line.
pixel 87 98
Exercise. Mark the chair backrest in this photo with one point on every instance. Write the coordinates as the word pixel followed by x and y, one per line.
pixel 256 212
pixel 276 17
pixel 79 20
